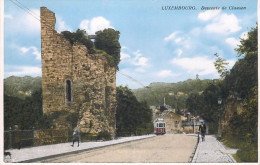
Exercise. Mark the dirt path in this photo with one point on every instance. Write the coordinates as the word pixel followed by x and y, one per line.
pixel 172 148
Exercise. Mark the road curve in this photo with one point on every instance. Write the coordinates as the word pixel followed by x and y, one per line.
pixel 169 148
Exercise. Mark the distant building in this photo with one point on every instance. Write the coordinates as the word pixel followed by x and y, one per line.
pixel 171 93
pixel 173 122
pixel 180 93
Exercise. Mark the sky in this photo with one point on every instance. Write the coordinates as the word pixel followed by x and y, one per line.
pixel 157 44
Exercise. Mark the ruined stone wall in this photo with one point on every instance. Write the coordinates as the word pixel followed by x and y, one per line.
pixel 76 81
pixel 233 105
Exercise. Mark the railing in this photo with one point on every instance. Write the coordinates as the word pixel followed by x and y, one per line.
pixel 28 138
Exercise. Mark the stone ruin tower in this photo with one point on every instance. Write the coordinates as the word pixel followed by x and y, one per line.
pixel 76 85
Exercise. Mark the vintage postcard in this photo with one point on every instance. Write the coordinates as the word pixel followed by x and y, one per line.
pixel 129 81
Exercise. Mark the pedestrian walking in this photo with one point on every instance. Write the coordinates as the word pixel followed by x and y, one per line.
pixel 76 136
pixel 202 129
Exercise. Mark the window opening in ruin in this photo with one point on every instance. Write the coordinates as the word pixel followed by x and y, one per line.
pixel 87 97
pixel 68 91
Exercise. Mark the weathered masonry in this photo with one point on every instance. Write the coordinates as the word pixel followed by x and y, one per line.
pixel 76 84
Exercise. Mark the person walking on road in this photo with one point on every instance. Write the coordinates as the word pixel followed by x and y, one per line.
pixel 202 130
pixel 76 136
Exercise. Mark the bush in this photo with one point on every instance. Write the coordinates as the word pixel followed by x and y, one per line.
pixel 104 135
pixel 248 153
pixel 87 137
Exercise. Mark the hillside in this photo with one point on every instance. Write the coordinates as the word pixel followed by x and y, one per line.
pixel 175 94
pixel 22 87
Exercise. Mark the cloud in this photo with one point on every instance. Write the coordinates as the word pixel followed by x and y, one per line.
pixel 61 25
pixel 244 35
pixel 23 71
pixel 207 15
pixel 179 38
pixel 179 52
pixel 196 32
pixel 124 56
pixel 232 42
pixel 134 60
pixel 171 36
pixel 95 24
pixel 140 60
pixel 123 47
pixel 165 73
pixel 23 22
pixel 231 63
pixel 34 51
pixel 196 65
pixel 8 16
pixel 224 24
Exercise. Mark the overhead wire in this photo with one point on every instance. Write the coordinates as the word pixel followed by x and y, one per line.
pixel 20 5
pixel 34 15
pixel 131 78
pixel 30 12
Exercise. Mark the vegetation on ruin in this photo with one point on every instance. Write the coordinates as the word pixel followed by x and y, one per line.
pixel 106 43
pixel 23 102
pixel 132 117
pixel 80 36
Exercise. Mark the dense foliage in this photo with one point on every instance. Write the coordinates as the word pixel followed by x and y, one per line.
pixel 206 106
pixel 106 43
pixel 220 64
pixel 22 87
pixel 132 117
pixel 241 83
pixel 175 94
pixel 26 113
pixel 80 36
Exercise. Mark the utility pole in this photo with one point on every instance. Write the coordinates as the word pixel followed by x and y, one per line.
pixel 219 121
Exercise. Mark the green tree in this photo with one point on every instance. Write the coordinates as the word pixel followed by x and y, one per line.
pixel 108 41
pixel 197 77
pixel 26 113
pixel 242 130
pixel 132 117
pixel 80 36
pixel 220 64
pixel 205 105
pixel 249 44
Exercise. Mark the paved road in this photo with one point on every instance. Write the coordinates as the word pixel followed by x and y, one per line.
pixel 32 154
pixel 212 151
pixel 167 148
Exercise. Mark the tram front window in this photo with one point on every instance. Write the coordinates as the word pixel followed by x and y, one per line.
pixel 161 124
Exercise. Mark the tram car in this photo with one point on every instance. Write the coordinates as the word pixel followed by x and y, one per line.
pixel 159 127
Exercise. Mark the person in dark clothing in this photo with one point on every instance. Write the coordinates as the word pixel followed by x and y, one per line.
pixel 202 129
pixel 76 136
